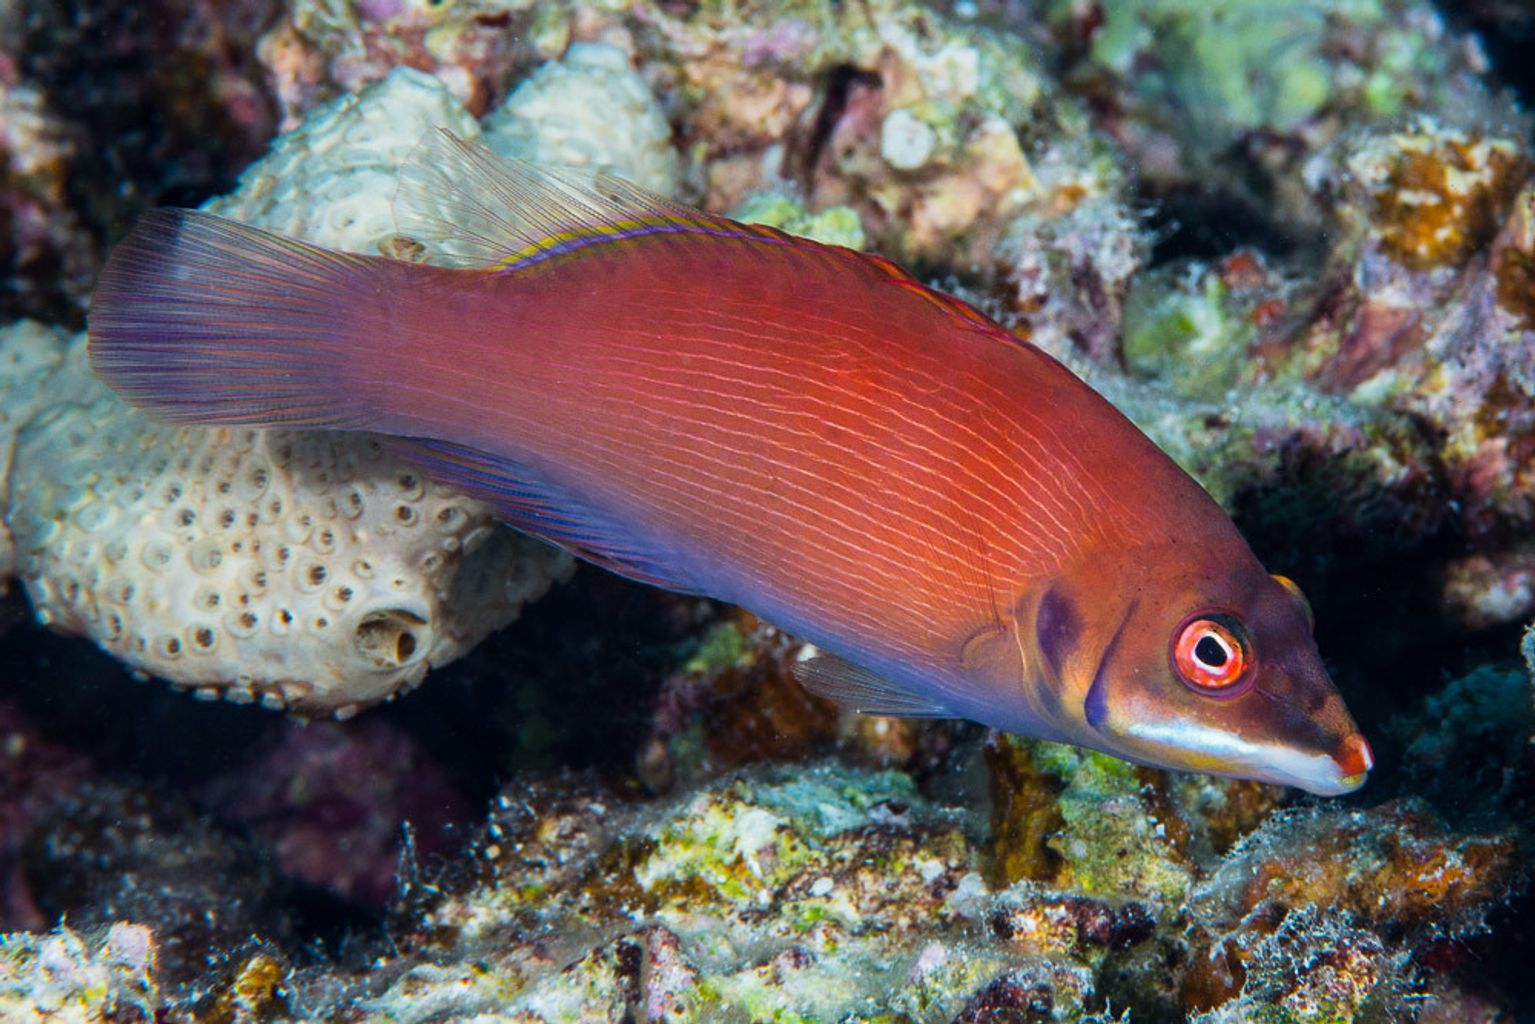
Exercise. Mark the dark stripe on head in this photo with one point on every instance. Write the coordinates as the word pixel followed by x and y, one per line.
pixel 1095 707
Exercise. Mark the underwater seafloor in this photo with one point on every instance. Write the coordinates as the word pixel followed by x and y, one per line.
pixel 1295 243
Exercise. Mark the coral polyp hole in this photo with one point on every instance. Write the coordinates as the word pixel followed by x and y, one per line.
pixel 389 639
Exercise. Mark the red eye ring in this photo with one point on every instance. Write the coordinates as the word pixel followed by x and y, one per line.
pixel 1211 654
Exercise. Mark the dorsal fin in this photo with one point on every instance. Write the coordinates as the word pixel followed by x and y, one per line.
pixel 855 687
pixel 473 208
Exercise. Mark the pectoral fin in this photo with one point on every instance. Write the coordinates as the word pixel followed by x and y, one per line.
pixel 836 679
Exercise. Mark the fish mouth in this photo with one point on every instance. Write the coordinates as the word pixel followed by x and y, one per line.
pixel 1203 749
pixel 1354 760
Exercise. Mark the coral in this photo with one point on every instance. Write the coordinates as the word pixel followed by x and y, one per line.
pixel 313 572
pixel 1194 326
pixel 588 109
pixel 101 976
pixel 29 356
pixel 1432 224
pixel 47 253
pixel 1319 910
pixel 331 179
pixel 1180 82
pixel 1392 394
pixel 836 225
pixel 1488 588
pixel 1432 195
pixel 794 895
pixel 110 108
pixel 735 702
pixel 320 48
pixel 830 893
pixel 1357 370
pixel 1084 822
pixel 307 571
pixel 1309 970
pixel 902 114
pixel 1467 748
pixel 1064 261
pixel 1394 869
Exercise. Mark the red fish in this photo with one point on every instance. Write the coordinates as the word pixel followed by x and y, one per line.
pixel 958 524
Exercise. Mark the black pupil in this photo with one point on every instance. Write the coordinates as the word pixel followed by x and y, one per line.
pixel 1210 652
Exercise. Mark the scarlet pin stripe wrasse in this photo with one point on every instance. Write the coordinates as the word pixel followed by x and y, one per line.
pixel 958 524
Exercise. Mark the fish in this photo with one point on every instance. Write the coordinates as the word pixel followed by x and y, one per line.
pixel 954 522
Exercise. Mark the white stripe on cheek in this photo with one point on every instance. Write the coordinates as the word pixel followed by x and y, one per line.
pixel 1315 773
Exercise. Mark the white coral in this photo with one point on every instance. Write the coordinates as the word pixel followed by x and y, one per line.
pixel 311 571
pixel 332 179
pixel 589 109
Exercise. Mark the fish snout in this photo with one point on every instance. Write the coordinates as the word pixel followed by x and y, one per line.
pixel 1354 760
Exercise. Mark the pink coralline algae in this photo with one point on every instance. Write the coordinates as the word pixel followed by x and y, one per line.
pixel 340 806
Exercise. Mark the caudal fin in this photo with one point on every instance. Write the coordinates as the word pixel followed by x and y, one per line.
pixel 199 319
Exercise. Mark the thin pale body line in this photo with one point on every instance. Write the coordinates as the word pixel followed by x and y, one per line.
pixel 714 326
pixel 645 404
pixel 832 545
pixel 1011 411
pixel 799 476
pixel 869 563
pixel 752 450
pixel 1028 496
pixel 1043 426
pixel 1047 482
pixel 874 345
pixel 859 560
pixel 873 440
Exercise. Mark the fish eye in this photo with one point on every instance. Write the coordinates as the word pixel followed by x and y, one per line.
pixel 1300 599
pixel 1211 653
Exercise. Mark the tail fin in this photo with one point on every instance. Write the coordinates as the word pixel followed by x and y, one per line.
pixel 199 319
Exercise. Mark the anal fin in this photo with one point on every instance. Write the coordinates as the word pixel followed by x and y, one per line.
pixel 850 685
pixel 537 506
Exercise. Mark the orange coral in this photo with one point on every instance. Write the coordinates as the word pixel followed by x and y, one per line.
pixel 1395 869
pixel 1442 203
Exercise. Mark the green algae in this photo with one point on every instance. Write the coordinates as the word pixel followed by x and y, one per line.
pixel 740 845
pixel 1252 66
pixel 1112 837
pixel 836 225
pixel 722 646
pixel 1183 328
pixel 1113 843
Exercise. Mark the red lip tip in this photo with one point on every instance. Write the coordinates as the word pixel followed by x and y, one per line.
pixel 1354 757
